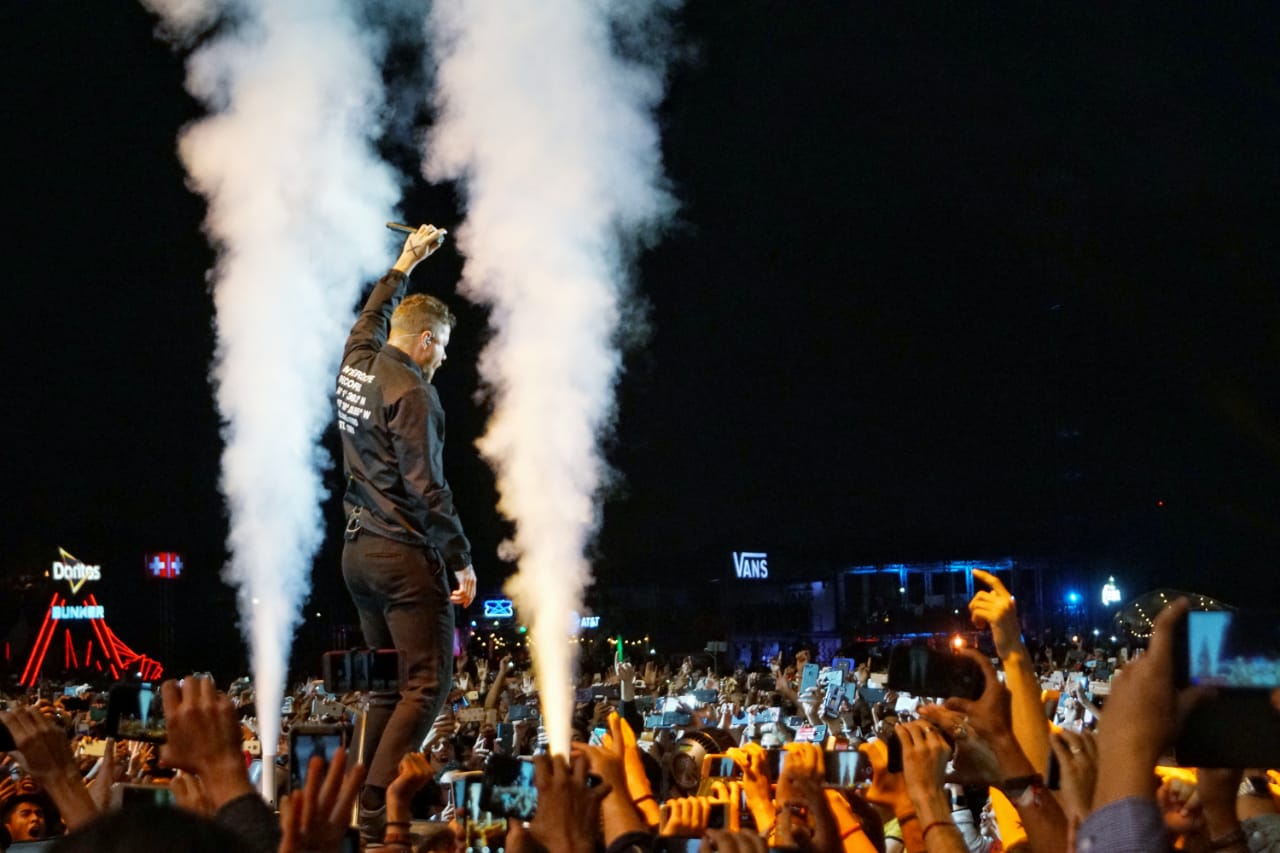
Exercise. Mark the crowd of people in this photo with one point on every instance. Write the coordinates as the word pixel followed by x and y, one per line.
pixel 668 758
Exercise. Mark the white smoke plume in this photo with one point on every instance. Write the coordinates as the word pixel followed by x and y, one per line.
pixel 296 198
pixel 551 133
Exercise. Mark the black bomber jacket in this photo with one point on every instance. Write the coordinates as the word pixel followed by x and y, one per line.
pixel 392 427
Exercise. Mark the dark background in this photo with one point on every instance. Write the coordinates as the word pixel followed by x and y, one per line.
pixel 947 281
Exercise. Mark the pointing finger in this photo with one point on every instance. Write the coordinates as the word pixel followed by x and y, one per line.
pixel 991 581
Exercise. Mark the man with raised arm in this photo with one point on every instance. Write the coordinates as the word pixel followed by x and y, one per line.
pixel 403 537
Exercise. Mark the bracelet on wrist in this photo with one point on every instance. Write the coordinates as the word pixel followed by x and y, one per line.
pixel 937 823
pixel 1023 790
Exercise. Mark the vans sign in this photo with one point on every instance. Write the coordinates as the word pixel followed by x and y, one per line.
pixel 753 565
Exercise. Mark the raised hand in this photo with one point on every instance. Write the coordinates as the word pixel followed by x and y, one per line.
pixel 800 789
pixel 1078 768
pixel 139 754
pixel 1143 715
pixel 41 745
pixel 924 759
pixel 189 793
pixel 1179 803
pixel 990 717
pixel 684 816
pixel 620 742
pixel 418 246
pixel 924 765
pixel 568 816
pixel 414 774
pixel 108 772
pixel 618 814
pixel 43 750
pixel 316 819
pixel 975 760
pixel 755 781
pixel 626 672
pixel 204 737
pixel 995 607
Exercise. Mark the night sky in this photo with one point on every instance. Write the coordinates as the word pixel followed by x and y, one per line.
pixel 947 281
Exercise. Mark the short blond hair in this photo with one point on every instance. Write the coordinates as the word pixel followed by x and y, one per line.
pixel 420 313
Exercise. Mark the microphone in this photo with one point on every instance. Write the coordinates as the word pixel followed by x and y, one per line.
pixel 409 229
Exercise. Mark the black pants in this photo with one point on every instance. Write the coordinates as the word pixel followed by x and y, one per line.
pixel 402 595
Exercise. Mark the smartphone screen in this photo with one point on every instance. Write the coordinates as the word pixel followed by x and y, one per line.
pixel 922 671
pixel 125 796
pixel 845 768
pixel 384 670
pixel 774 759
pixel 808 677
pixel 832 702
pixel 465 800
pixel 1235 728
pixel 135 712
pixel 1238 649
pixel 508 788
pixel 337 672
pixel 720 767
pixel 303 745
pixel 484 830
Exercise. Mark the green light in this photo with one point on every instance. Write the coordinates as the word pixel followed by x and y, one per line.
pixel 522 629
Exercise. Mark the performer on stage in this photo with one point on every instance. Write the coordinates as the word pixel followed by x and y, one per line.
pixel 403 537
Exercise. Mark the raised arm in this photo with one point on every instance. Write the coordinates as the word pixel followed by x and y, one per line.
pixel 370 329
pixel 990 718
pixel 499 682
pixel 995 607
pixel 43 750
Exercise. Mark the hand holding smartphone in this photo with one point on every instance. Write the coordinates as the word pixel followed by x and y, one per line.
pixel 1238 654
